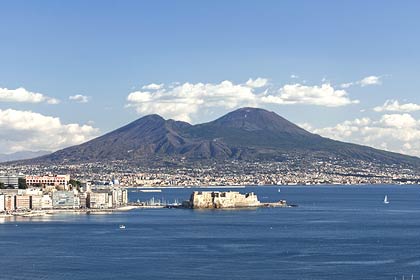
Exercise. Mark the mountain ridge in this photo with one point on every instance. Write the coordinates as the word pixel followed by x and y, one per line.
pixel 22 155
pixel 245 134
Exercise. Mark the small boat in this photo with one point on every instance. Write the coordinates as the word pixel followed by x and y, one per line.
pixel 278 190
pixel 122 226
pixel 386 201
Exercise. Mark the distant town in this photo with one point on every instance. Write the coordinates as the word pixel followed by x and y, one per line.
pixel 293 170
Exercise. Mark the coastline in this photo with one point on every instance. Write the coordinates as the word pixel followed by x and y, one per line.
pixel 157 187
pixel 132 205
pixel 47 212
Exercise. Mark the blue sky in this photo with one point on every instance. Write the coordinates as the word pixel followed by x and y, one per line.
pixel 105 53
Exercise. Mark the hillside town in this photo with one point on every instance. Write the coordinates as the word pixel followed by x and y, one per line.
pixel 292 171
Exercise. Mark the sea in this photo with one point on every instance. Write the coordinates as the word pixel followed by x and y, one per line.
pixel 336 232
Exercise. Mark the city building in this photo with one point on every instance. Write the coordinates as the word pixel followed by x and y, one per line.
pixel 98 200
pixel 119 197
pixel 86 186
pixel 9 202
pixel 50 192
pixel 36 202
pixel 22 202
pixel 2 202
pixel 64 199
pixel 48 180
pixel 46 202
pixel 83 200
pixel 107 198
pixel 9 181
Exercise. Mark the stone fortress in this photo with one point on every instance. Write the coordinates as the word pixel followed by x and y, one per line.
pixel 230 199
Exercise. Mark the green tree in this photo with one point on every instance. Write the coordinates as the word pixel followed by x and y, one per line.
pixel 2 185
pixel 22 183
pixel 76 184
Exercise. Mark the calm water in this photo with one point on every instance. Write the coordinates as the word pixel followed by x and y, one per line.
pixel 335 233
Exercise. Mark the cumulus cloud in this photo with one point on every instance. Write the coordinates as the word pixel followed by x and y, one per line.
pixel 392 132
pixel 24 96
pixel 79 98
pixel 366 81
pixel 26 130
pixel 324 95
pixel 370 80
pixel 398 121
pixel 153 86
pixel 257 83
pixel 181 101
pixel 184 101
pixel 395 106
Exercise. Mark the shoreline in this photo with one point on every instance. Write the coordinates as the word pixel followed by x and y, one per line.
pixel 88 211
pixel 264 186
pixel 48 212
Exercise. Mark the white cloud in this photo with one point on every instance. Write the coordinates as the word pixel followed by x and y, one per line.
pixel 324 95
pixel 370 80
pixel 293 76
pixel 257 83
pixel 346 85
pixel 26 130
pixel 53 101
pixel 153 86
pixel 24 96
pixel 186 101
pixel 394 132
pixel 395 106
pixel 366 81
pixel 181 101
pixel 79 98
pixel 398 120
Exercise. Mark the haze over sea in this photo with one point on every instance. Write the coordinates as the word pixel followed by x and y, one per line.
pixel 337 232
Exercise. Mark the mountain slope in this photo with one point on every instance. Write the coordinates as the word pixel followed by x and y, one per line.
pixel 22 155
pixel 244 134
pixel 149 135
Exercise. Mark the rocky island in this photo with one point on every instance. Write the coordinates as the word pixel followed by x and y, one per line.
pixel 230 199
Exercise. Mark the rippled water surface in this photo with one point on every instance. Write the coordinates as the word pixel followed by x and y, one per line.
pixel 335 233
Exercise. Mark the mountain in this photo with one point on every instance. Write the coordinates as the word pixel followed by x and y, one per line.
pixel 245 134
pixel 22 155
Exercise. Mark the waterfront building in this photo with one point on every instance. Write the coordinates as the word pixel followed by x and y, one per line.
pixel 9 202
pixel 64 199
pixel 48 180
pixel 2 202
pixel 22 202
pixel 36 202
pixel 98 199
pixel 106 198
pixel 46 202
pixel 83 200
pixel 119 197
